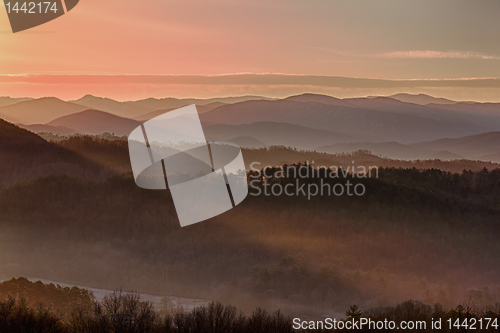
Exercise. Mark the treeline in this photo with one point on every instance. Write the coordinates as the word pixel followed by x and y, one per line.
pixel 413 235
pixel 467 190
pixel 57 299
pixel 27 156
pixel 429 235
pixel 419 317
pixel 108 151
pixel 280 155
pixel 127 313
pixel 113 152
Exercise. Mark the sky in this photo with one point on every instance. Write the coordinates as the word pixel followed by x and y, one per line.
pixel 128 50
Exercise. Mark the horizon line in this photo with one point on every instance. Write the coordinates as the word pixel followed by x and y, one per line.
pixel 256 96
pixel 126 87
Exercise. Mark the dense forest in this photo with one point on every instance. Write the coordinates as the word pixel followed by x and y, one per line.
pixel 418 233
pixel 25 156
pixel 60 300
pixel 127 313
pixel 429 235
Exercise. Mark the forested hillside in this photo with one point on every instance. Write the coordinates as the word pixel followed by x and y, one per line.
pixel 415 234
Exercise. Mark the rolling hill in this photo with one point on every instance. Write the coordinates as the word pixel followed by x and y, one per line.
pixel 495 158
pixel 4 100
pixel 477 109
pixel 201 109
pixel 393 150
pixel 122 109
pixel 447 113
pixel 484 147
pixel 96 122
pixel 247 142
pixel 317 98
pixel 376 121
pixel 174 103
pixel 422 99
pixel 472 147
pixel 38 111
pixel 41 128
pixel 25 156
pixel 281 134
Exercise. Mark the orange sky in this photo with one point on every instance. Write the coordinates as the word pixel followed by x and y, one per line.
pixel 383 39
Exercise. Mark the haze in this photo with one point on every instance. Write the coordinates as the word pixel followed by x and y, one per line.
pixel 444 42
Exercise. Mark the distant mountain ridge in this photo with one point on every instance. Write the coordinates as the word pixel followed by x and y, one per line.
pixel 201 109
pixel 5 100
pixel 393 125
pixel 305 121
pixel 473 146
pixel 485 147
pixel 38 111
pixel 123 109
pixel 96 122
pixel 422 99
pixel 168 103
pixel 42 128
pixel 25 156
pixel 282 134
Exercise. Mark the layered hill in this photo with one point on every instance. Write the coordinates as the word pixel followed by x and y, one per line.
pixel 25 155
pixel 386 119
pixel 174 103
pixel 38 111
pixel 96 122
pixel 485 147
pixel 201 109
pixel 5 100
pixel 123 109
pixel 473 147
pixel 41 128
pixel 478 109
pixel 282 134
pixel 422 99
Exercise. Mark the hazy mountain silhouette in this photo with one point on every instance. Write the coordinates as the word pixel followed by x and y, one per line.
pixel 472 147
pixel 392 150
pixel 495 158
pixel 123 109
pixel 209 107
pixel 174 103
pixel 372 118
pixel 25 155
pixel 201 109
pixel 4 101
pixel 284 134
pixel 96 122
pixel 445 156
pixel 41 128
pixel 375 119
pixel 318 98
pixel 15 138
pixel 247 142
pixel 484 147
pixel 38 111
pixel 450 113
pixel 421 99
pixel 477 109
